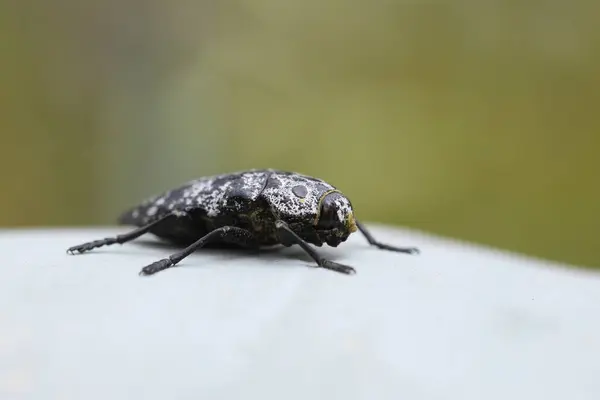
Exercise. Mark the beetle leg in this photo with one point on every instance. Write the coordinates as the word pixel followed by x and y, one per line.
pixel 292 237
pixel 373 242
pixel 120 239
pixel 228 234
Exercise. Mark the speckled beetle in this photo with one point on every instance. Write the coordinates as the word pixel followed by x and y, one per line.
pixel 249 209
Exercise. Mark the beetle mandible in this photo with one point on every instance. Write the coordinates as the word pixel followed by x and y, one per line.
pixel 249 209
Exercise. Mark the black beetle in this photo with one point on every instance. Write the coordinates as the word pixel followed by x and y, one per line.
pixel 248 209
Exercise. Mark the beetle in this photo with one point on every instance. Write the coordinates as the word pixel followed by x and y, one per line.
pixel 247 209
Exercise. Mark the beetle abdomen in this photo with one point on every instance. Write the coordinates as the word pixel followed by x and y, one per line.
pixel 209 195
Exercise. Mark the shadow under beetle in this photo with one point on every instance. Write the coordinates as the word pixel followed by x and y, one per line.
pixel 249 209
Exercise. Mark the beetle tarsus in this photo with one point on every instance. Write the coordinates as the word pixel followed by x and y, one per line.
pixel 337 267
pixel 373 242
pixel 82 248
pixel 407 250
pixel 157 267
pixel 124 238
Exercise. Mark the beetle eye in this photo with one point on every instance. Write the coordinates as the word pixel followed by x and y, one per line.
pixel 328 218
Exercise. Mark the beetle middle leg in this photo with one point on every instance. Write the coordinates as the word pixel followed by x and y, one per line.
pixel 374 242
pixel 229 234
pixel 292 237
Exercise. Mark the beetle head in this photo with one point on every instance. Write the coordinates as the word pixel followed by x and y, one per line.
pixel 312 208
pixel 335 218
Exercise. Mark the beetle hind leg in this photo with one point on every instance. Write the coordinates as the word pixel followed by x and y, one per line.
pixel 120 239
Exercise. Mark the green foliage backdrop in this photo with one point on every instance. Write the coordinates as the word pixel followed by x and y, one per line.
pixel 476 121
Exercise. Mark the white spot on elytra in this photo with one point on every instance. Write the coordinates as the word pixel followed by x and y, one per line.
pixel 179 213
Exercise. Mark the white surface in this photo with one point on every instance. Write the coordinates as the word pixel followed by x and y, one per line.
pixel 455 322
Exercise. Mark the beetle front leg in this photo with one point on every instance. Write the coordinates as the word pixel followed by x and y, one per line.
pixel 373 242
pixel 292 237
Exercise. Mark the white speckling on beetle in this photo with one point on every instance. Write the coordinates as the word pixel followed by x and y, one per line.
pixel 248 209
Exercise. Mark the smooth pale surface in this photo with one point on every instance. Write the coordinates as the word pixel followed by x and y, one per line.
pixel 456 322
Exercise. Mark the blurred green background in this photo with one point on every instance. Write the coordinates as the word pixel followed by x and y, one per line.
pixel 476 121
